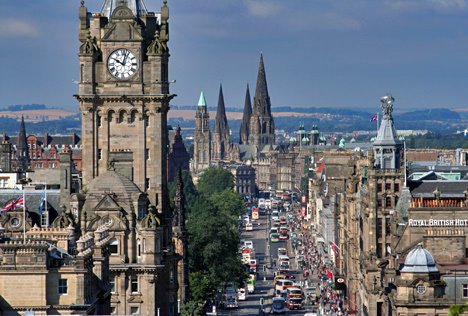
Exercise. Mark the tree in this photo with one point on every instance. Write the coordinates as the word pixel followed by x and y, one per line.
pixel 229 201
pixel 215 180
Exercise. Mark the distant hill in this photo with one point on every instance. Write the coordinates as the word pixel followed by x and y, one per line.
pixel 429 115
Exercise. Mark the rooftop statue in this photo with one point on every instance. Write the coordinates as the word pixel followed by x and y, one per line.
pixel 387 105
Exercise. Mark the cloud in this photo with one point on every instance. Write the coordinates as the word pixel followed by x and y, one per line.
pixel 433 5
pixel 450 3
pixel 262 8
pixel 15 28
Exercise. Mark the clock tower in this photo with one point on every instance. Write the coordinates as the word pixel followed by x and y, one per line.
pixel 124 94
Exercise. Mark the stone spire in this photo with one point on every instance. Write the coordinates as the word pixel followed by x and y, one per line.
pixel 221 130
pixel 137 6
pixel 22 152
pixel 262 125
pixel 202 137
pixel 387 146
pixel 245 125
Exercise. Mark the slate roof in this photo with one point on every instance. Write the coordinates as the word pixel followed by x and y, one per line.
pixel 454 189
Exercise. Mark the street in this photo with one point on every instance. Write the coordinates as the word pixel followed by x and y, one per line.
pixel 266 255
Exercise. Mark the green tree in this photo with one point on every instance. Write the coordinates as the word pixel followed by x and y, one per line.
pixel 229 201
pixel 215 180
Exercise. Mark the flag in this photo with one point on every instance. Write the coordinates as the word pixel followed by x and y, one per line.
pixel 9 206
pixel 41 204
pixel 374 117
pixel 334 247
pixel 14 204
pixel 19 203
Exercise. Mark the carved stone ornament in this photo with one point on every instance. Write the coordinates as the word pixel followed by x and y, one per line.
pixel 89 46
pixel 158 46
pixel 151 220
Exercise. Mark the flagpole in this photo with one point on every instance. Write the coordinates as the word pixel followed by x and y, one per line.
pixel 46 212
pixel 24 216
pixel 377 123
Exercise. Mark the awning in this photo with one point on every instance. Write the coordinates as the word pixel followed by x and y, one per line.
pixel 320 239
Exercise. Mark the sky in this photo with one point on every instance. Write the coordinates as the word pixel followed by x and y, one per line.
pixel 317 53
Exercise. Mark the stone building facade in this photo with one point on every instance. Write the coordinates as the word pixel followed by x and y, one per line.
pixel 59 274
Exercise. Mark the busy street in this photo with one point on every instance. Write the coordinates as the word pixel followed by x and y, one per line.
pixel 289 272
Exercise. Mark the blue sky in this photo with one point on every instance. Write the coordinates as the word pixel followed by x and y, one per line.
pixel 339 53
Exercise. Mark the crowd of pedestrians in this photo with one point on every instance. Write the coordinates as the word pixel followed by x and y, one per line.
pixel 317 269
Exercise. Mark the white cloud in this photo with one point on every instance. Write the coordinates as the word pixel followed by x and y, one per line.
pixel 262 8
pixel 17 28
pixel 450 3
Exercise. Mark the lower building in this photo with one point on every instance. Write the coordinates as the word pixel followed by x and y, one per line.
pixel 49 272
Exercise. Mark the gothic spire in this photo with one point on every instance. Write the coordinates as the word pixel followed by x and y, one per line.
pixel 244 129
pixel 262 103
pixel 221 123
pixel 262 124
pixel 22 149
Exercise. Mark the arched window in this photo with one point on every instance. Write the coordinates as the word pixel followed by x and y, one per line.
pixel 133 116
pixel 110 115
pixel 122 116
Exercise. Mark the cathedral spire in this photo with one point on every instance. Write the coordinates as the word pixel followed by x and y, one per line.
pixel 221 129
pixel 262 125
pixel 22 152
pixel 262 99
pixel 244 129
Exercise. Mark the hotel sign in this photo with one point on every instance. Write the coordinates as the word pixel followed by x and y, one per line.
pixel 438 222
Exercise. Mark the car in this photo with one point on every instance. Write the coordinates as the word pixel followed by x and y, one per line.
pixel 278 305
pixel 282 252
pixel 283 221
pixel 274 237
pixel 275 216
pixel 248 244
pixel 241 294
pixel 294 302
pixel 249 227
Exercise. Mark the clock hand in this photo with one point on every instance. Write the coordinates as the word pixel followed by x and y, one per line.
pixel 125 58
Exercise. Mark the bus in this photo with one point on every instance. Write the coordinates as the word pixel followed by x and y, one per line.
pixel 255 213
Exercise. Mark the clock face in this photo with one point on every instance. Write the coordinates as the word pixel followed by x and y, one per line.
pixel 122 64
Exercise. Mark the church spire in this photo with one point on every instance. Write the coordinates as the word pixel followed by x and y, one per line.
pixel 244 129
pixel 221 129
pixel 22 152
pixel 262 125
pixel 262 99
